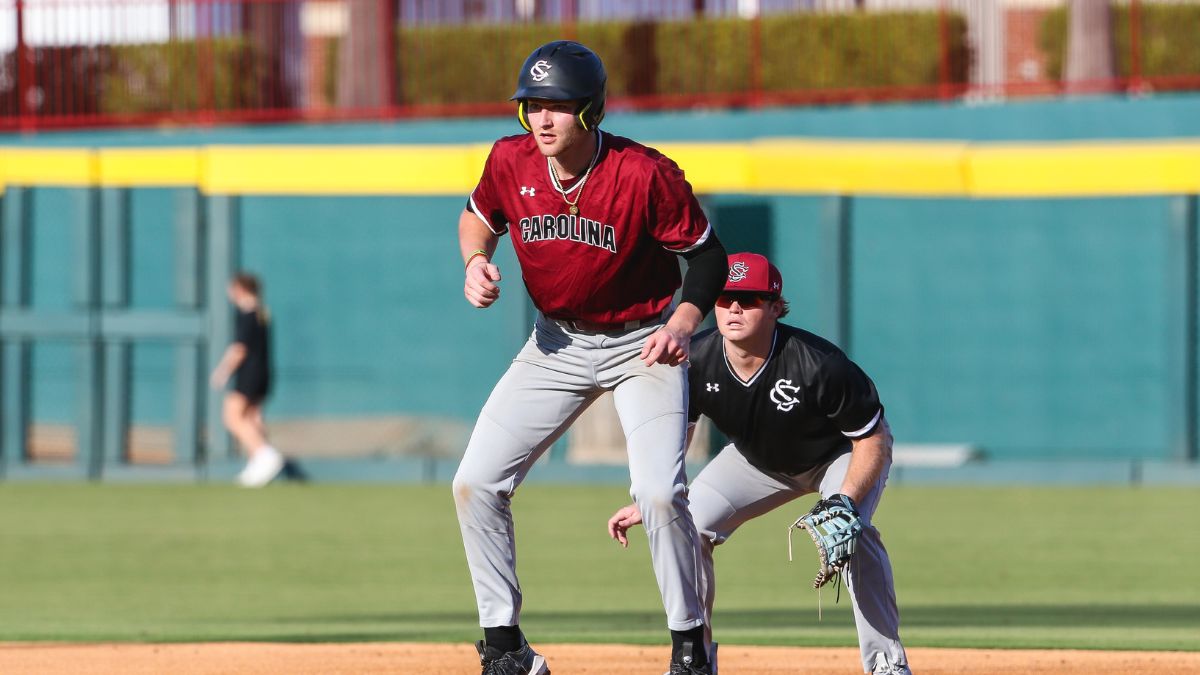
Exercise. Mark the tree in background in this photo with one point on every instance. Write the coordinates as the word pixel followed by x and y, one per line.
pixel 361 72
pixel 1090 63
pixel 273 29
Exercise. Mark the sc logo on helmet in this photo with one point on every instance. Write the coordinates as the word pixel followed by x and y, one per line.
pixel 540 71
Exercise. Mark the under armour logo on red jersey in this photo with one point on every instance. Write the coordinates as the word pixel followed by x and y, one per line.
pixel 782 397
pixel 712 386
pixel 738 271
pixel 527 191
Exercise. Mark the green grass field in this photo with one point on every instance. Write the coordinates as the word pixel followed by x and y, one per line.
pixel 1097 568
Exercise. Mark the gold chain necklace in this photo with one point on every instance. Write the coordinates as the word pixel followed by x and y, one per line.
pixel 571 205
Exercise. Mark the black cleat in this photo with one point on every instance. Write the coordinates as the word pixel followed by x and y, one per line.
pixel 524 661
pixel 683 662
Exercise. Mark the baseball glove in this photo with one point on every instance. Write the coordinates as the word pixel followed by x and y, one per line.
pixel 834 526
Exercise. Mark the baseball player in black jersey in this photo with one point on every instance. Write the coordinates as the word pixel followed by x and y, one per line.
pixel 801 418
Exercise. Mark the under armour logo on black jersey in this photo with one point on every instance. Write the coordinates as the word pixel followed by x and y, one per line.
pixel 527 191
pixel 782 397
pixel 712 386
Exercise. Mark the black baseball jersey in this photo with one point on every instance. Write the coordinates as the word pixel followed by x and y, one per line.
pixel 798 411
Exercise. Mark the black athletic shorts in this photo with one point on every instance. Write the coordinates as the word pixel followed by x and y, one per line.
pixel 253 383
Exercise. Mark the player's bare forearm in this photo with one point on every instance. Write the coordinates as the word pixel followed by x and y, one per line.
pixel 868 457
pixel 477 243
pixel 230 360
pixel 686 319
pixel 473 236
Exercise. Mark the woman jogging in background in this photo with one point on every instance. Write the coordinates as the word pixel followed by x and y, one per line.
pixel 248 361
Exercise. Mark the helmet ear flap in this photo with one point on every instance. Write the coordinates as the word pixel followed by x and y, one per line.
pixel 590 114
pixel 523 116
pixel 582 116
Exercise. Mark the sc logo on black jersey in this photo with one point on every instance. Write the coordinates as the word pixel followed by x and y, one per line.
pixel 782 396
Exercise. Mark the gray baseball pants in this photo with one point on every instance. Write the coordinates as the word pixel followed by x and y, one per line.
pixel 730 491
pixel 551 381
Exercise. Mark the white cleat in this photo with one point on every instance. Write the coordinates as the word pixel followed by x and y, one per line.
pixel 262 468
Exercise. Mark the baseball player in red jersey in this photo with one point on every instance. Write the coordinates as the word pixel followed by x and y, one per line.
pixel 598 223
pixel 801 418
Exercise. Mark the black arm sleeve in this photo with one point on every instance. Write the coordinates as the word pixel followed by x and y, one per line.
pixel 708 268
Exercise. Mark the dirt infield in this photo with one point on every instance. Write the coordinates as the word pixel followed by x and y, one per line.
pixel 565 659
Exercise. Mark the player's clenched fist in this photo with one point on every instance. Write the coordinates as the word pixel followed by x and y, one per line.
pixel 480 288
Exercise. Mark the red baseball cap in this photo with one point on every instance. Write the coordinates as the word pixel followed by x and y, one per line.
pixel 753 273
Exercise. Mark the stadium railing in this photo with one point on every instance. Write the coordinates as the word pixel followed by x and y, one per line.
pixel 95 63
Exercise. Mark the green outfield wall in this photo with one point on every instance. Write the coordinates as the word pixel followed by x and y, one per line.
pixel 1021 277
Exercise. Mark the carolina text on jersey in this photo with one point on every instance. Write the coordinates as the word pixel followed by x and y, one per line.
pixel 573 228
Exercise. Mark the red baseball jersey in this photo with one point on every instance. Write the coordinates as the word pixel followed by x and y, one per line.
pixel 616 260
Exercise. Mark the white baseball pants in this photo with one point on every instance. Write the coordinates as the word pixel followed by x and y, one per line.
pixel 730 491
pixel 556 375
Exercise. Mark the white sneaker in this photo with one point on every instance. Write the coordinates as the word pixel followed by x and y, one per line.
pixel 262 468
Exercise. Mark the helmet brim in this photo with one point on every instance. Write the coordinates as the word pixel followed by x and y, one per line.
pixel 549 93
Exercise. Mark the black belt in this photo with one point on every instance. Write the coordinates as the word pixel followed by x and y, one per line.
pixel 580 326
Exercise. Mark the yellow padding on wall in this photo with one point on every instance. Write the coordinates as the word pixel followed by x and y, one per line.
pixel 343 169
pixel 1084 169
pixel 764 166
pixel 51 167
pixel 150 167
pixel 712 167
pixel 858 167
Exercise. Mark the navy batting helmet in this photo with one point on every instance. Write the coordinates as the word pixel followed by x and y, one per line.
pixel 563 71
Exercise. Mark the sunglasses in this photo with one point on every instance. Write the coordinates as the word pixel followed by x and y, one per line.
pixel 744 299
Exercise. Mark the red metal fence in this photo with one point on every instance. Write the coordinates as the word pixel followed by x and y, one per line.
pixel 77 63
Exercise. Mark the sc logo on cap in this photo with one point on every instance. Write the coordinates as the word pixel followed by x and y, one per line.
pixel 738 271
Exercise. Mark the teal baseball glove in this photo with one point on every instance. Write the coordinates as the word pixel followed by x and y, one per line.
pixel 835 527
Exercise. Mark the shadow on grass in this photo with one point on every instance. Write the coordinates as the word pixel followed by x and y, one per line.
pixel 449 625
